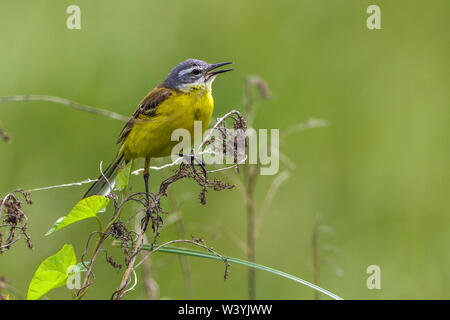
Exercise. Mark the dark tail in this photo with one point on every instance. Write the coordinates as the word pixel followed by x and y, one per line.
pixel 110 174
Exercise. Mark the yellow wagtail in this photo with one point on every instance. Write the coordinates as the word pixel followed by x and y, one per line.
pixel 182 98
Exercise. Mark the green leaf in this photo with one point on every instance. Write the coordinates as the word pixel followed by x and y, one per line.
pixel 86 208
pixel 55 225
pixel 207 255
pixel 52 273
pixel 123 177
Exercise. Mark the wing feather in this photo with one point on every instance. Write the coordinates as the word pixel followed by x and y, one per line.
pixel 147 107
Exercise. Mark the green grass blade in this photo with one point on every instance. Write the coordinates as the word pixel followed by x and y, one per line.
pixel 195 253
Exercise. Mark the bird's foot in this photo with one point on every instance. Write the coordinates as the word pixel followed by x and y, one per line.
pixel 192 159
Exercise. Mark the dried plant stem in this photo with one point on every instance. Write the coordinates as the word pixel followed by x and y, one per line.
pixel 185 268
pixel 14 219
pixel 216 125
pixel 102 237
pixel 91 265
pixel 88 180
pixel 304 125
pixel 139 242
pixel 250 175
pixel 276 183
pixel 66 102
pixel 150 285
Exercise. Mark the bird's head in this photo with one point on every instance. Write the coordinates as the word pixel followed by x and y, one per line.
pixel 193 74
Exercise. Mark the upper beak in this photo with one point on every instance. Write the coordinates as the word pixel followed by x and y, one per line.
pixel 211 73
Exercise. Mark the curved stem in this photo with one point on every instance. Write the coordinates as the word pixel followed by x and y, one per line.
pixel 102 237
pixel 65 102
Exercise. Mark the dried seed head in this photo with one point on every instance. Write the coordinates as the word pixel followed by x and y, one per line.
pixel 14 218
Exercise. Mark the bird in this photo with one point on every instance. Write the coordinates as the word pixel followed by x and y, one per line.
pixel 183 97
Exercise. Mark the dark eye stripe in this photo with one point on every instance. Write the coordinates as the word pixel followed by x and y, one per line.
pixel 196 71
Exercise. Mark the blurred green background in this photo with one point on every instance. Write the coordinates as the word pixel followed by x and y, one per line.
pixel 378 173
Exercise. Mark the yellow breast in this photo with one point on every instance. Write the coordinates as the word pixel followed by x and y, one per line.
pixel 151 137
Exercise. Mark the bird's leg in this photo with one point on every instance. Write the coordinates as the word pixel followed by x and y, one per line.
pixel 149 215
pixel 146 176
pixel 192 159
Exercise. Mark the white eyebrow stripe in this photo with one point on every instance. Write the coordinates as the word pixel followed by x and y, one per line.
pixel 183 72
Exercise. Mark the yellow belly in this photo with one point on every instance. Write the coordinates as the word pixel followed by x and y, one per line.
pixel 151 138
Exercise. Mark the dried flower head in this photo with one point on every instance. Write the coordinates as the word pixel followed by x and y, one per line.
pixel 14 218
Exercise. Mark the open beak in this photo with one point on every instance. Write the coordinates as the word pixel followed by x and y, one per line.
pixel 209 73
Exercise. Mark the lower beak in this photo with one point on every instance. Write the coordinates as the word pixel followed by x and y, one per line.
pixel 212 67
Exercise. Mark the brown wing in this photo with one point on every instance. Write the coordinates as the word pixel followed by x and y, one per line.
pixel 147 107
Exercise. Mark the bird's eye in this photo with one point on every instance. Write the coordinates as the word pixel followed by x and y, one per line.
pixel 196 71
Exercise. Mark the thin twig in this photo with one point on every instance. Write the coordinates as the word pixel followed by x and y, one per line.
pixel 66 102
pixel 135 172
pixel 150 285
pixel 135 282
pixel 125 279
pixel 184 263
pixel 230 167
pixel 91 265
pixel 264 93
pixel 88 180
pixel 250 176
pixel 102 237
pixel 178 161
pixel 304 125
pixel 279 179
pixel 217 124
